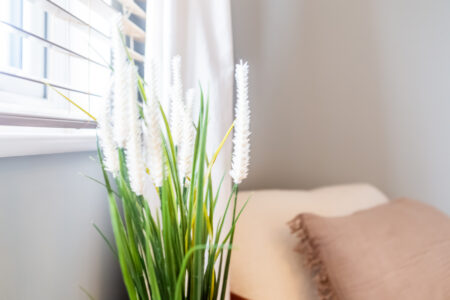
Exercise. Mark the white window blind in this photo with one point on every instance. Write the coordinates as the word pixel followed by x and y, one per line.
pixel 54 47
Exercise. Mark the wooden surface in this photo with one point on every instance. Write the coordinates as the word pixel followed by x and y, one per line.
pixel 236 297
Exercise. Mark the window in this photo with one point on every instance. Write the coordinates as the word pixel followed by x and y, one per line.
pixel 52 48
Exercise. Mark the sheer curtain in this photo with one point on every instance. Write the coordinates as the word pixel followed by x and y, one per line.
pixel 199 31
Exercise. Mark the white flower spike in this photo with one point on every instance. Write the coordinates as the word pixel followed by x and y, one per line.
pixel 176 108
pixel 188 137
pixel 241 152
pixel 134 155
pixel 120 65
pixel 153 141
pixel 105 134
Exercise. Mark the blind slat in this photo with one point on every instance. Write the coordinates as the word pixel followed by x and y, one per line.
pixel 60 12
pixel 101 7
pixel 133 31
pixel 133 8
pixel 51 44
pixel 136 55
pixel 20 75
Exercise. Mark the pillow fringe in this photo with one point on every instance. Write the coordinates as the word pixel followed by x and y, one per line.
pixel 308 248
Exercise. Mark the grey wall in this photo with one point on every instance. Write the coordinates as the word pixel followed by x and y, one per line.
pixel 48 247
pixel 349 91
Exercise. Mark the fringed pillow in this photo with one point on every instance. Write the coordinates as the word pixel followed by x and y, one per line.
pixel 399 250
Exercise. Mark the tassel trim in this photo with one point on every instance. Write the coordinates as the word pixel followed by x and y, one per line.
pixel 308 247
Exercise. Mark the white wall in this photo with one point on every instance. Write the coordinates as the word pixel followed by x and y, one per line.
pixel 48 247
pixel 346 91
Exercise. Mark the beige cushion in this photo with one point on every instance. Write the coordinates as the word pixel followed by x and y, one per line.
pixel 399 250
pixel 264 265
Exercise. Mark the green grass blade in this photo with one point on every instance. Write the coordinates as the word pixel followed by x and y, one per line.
pixel 107 241
pixel 199 225
pixel 228 259
pixel 86 293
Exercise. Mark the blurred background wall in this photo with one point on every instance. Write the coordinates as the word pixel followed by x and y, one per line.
pixel 48 246
pixel 349 91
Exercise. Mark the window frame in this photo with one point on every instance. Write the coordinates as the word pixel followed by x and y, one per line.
pixel 31 126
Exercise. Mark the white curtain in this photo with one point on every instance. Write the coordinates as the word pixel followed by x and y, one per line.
pixel 200 32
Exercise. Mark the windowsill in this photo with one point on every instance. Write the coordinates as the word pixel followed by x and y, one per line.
pixel 22 141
